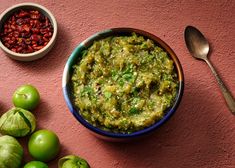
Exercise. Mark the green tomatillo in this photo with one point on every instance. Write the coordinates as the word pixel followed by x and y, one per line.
pixel 17 122
pixel 26 97
pixel 44 145
pixel 11 152
pixel 72 161
pixel 36 164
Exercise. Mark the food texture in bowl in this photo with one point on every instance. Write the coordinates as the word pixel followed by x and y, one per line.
pixel 26 31
pixel 124 83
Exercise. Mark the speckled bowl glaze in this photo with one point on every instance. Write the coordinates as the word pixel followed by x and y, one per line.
pixel 66 83
pixel 37 54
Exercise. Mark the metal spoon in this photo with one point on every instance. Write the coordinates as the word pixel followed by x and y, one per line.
pixel 198 46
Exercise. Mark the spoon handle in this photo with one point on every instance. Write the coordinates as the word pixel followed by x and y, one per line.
pixel 226 93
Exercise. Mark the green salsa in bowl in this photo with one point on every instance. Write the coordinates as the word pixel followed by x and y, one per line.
pixel 122 82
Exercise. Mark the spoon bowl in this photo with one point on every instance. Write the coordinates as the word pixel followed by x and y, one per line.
pixel 196 42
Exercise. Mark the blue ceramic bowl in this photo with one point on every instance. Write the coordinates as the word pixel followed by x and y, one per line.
pixel 77 53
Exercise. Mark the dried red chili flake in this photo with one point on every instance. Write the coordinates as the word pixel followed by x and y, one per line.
pixel 26 31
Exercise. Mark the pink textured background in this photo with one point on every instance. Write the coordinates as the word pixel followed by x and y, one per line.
pixel 202 132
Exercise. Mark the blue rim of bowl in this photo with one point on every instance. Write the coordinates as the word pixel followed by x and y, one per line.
pixel 76 54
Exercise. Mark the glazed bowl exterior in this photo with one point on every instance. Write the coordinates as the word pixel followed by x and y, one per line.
pixel 37 54
pixel 77 53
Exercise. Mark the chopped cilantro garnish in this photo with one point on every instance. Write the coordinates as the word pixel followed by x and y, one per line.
pixel 107 95
pixel 133 111
pixel 121 82
pixel 87 90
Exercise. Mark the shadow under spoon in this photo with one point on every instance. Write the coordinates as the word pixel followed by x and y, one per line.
pixel 198 46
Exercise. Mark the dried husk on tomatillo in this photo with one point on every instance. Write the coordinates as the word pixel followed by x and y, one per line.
pixel 17 122
pixel 11 152
pixel 72 161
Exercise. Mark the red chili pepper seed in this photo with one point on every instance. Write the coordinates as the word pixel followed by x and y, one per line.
pixel 26 31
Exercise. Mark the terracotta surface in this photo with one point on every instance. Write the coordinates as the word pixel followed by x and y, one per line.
pixel 202 132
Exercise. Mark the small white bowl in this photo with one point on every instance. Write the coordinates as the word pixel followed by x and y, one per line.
pixel 37 54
